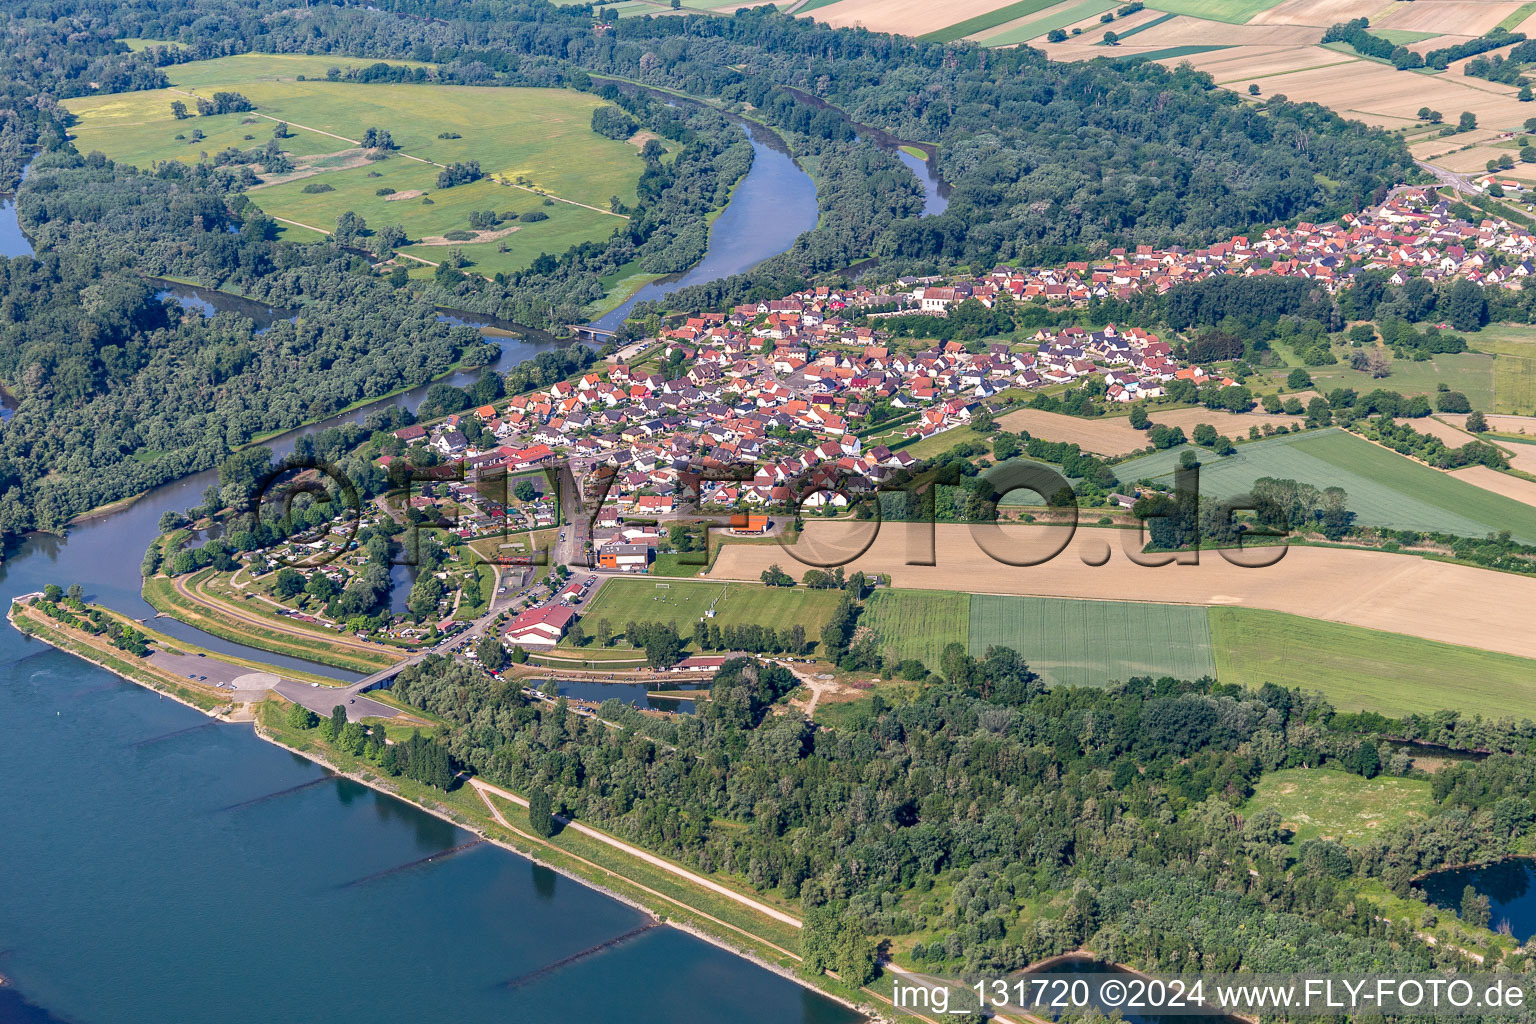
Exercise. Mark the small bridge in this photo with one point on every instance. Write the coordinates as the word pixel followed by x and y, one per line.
pixel 589 333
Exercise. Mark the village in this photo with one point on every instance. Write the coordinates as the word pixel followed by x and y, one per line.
pixel 753 415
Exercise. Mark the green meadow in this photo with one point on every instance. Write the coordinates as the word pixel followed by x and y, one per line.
pixel 540 139
pixel 1319 804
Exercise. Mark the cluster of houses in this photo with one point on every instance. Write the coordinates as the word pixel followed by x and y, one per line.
pixel 777 393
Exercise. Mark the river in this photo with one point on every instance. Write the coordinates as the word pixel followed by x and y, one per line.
pixel 772 206
pixel 161 866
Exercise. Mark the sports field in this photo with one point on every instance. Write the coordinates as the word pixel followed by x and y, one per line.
pixel 1322 804
pixel 1384 488
pixel 1365 669
pixel 539 138
pixel 917 623
pixel 681 603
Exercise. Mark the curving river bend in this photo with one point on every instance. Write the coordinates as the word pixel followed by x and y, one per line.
pixel 160 866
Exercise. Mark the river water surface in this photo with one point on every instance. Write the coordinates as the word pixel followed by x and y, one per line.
pixel 163 867
pixel 772 206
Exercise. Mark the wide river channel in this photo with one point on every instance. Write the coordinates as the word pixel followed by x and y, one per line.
pixel 162 867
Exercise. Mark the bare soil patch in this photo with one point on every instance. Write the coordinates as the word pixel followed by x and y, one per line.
pixel 410 193
pixel 640 138
pixel 480 236
pixel 1317 12
pixel 1455 604
pixel 1499 483
pixel 1113 436
pixel 1461 17
pixel 905 17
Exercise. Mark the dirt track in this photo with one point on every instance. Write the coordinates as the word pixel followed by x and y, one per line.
pixel 1398 593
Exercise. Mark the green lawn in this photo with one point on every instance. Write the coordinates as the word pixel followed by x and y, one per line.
pixel 1320 804
pixel 1061 19
pixel 1090 643
pixel 1384 488
pixel 683 603
pixel 1363 669
pixel 918 623
pixel 541 137
pixel 1514 367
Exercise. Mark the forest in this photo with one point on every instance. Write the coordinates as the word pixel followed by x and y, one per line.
pixel 985 821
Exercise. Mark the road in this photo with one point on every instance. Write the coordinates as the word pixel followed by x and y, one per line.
pixel 1459 182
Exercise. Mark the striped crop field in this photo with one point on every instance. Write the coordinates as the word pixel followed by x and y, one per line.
pixel 918 623
pixel 1090 643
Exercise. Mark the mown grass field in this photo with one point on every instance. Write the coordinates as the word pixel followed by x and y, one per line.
pixel 1070 643
pixel 1514 367
pixel 1235 12
pixel 1319 804
pixel 1471 373
pixel 1363 669
pixel 1089 643
pixel 1384 488
pixel 918 623
pixel 683 603
pixel 541 137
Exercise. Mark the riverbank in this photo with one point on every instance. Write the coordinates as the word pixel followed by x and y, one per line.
pixel 104 656
pixel 187 603
pixel 577 857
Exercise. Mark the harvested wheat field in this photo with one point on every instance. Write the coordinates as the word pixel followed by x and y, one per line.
pixel 1261 63
pixel 904 17
pixel 1456 17
pixel 1317 12
pixel 1185 31
pixel 1445 431
pixel 1433 147
pixel 1233 424
pixel 1470 161
pixel 1113 436
pixel 1497 421
pixel 1406 594
pixel 1380 96
pixel 1499 483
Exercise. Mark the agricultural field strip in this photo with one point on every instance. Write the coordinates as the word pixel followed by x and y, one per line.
pixel 1407 594
pixel 1384 488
